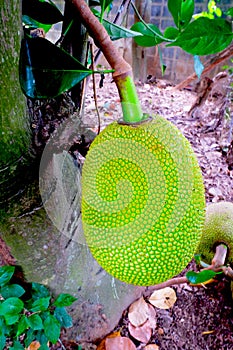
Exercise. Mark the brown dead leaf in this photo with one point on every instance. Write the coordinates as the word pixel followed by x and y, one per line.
pixel 119 343
pixel 142 333
pixel 152 316
pixel 101 346
pixel 163 298
pixel 138 312
pixel 35 345
pixel 151 347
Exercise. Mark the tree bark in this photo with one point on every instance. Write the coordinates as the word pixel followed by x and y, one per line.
pixel 14 129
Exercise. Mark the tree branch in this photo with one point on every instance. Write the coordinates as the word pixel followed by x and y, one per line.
pixel 122 75
pixel 209 65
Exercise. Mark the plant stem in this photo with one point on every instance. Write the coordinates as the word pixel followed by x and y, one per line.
pixel 122 75
pixel 219 256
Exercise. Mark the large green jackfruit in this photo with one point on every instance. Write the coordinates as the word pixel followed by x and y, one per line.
pixel 142 201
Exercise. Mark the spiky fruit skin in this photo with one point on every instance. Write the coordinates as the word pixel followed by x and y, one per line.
pixel 142 201
pixel 218 228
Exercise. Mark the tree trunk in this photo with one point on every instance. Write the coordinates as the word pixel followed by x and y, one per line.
pixel 40 221
pixel 19 194
pixel 15 134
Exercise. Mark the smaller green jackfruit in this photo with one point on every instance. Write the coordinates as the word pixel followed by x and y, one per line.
pixel 218 228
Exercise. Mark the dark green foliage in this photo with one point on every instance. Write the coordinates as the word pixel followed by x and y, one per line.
pixel 48 74
pixel 39 316
pixel 42 11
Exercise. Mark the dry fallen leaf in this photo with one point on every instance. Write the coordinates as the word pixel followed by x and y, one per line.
pixel 101 346
pixel 119 343
pixel 142 333
pixel 35 345
pixel 151 347
pixel 139 312
pixel 152 316
pixel 163 298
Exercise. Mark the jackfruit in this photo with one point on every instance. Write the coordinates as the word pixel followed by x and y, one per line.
pixel 142 201
pixel 218 228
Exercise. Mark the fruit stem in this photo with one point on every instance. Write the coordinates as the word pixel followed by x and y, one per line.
pixel 219 256
pixel 122 76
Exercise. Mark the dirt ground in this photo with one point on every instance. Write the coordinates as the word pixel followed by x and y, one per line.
pixel 201 318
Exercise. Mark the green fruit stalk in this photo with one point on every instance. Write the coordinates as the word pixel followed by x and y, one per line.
pixel 142 201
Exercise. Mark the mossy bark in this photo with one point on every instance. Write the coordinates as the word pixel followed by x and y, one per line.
pixel 14 125
pixel 19 194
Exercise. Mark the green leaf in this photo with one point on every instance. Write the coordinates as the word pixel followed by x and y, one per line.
pixel 22 325
pixel 44 347
pixel 32 23
pixel 39 291
pixel 52 328
pixel 162 65
pixel 11 319
pixel 218 12
pixel 200 277
pixel 117 32
pixel 35 322
pixel 42 11
pixel 151 34
pixel 205 36
pixel 198 66
pixel 197 258
pixel 182 12
pixel 187 9
pixel 104 4
pixel 41 337
pixel 230 12
pixel 2 341
pixel 50 74
pixel 30 336
pixel 174 6
pixel 171 33
pixel 12 290
pixel 4 329
pixel 6 272
pixel 64 299
pixel 41 304
pixel 63 317
pixel 12 306
pixel 16 346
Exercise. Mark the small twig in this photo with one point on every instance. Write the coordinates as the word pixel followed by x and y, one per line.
pixel 94 87
pixel 227 270
pixel 62 346
pixel 168 283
